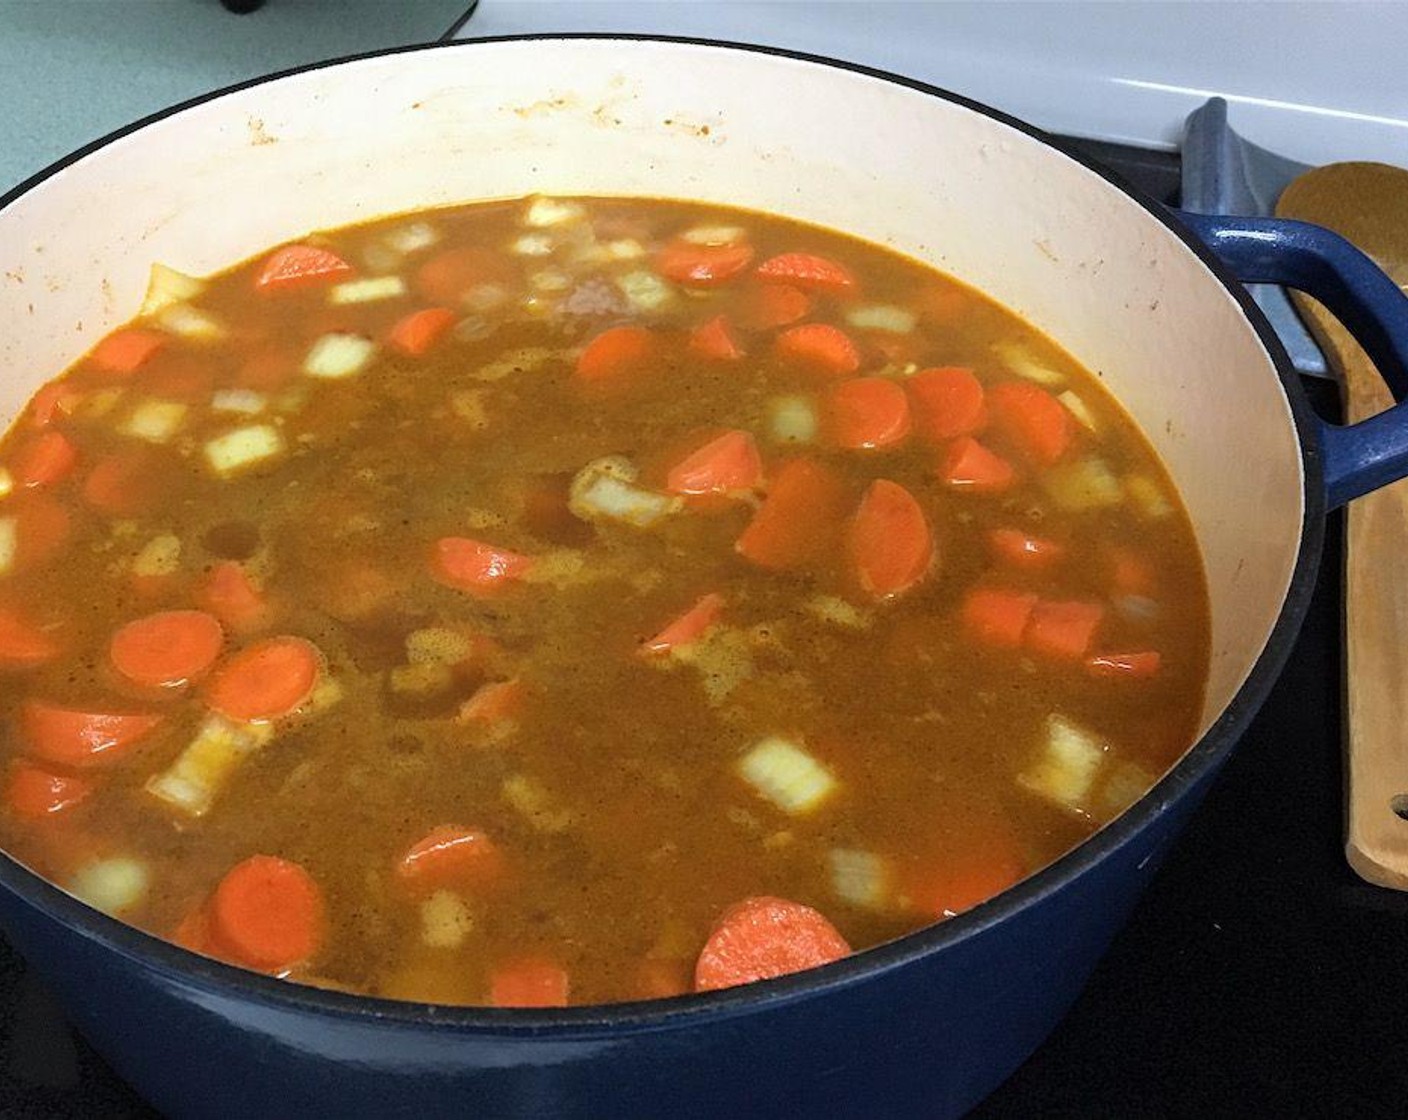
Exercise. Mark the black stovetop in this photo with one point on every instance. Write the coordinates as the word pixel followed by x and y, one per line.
pixel 1258 976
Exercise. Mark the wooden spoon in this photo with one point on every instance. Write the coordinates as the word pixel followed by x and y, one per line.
pixel 1368 204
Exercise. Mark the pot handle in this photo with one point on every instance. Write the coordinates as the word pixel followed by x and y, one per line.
pixel 1359 457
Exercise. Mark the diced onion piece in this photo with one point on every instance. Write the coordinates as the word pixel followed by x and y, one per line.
pixel 112 885
pixel 1069 763
pixel 860 878
pixel 243 448
pixel 792 419
pixel 245 401
pixel 645 291
pixel 624 249
pixel 327 692
pixel 367 290
pixel 882 317
pixel 437 645
pixel 411 238
pixel 1082 485
pixel 338 355
pixel 787 775
pixel 1079 409
pixel 9 542
pixel 1148 497
pixel 533 245
pixel 713 235
pixel 445 920
pixel 838 612
pixel 544 212
pixel 7 483
pixel 535 804
pixel 550 280
pixel 191 322
pixel 202 769
pixel 1126 784
pixel 166 286
pixel 423 678
pixel 154 420
pixel 1023 363
pixel 605 488
pixel 160 556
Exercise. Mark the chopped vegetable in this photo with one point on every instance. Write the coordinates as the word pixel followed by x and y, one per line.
pixel 451 857
pixel 992 862
pixel 996 617
pixel 787 775
pixel 969 466
pixel 948 402
pixel 869 413
pixel 474 566
pixel 420 330
pixel 537 806
pixel 768 306
pixel 807 271
pixel 268 913
pixel 1077 407
pixel 830 608
pixel 445 920
pixel 533 245
pixel 80 739
pixel 494 704
pixel 338 355
pixel 605 489
pixel 1082 485
pixel 266 680
pixel 1024 551
pixel 616 356
pixel 411 238
pixel 645 291
pixel 34 793
pixel 544 212
pixel 860 878
pixel 155 421
pixel 529 982
pixel 166 286
pixel 1147 497
pixel 715 339
pixel 1063 630
pixel 168 649
pixel 1032 420
pixel 799 520
pixel 729 464
pixel 112 885
pixel 1023 363
pixel 367 290
pixel 23 643
pixel 889 540
pixel 246 402
pixel 689 626
pixel 124 352
pixel 244 447
pixel 230 596
pixel 192 782
pixel 818 348
pixel 1126 783
pixel 46 459
pixel 703 265
pixel 191 322
pixel 1066 769
pixel 882 317
pixel 300 266
pixel 763 938
pixel 792 419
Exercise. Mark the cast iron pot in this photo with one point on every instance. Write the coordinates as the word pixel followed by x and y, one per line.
pixel 924 1026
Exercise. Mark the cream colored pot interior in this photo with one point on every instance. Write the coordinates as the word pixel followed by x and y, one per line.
pixel 216 183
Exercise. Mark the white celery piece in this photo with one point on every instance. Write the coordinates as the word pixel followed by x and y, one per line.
pixel 7 483
pixel 544 212
pixel 367 290
pixel 550 280
pixel 535 804
pixel 533 245
pixel 792 419
pixel 1068 765
pixel 154 420
pixel 645 291
pixel 838 612
pixel 247 402
pixel 243 447
pixel 160 556
pixel 411 238
pixel 203 768
pixel 624 249
pixel 605 488
pixel 859 877
pixel 1147 496
pixel 1079 409
pixel 166 286
pixel 112 885
pixel 421 678
pixel 1023 363
pixel 1126 784
pixel 338 355
pixel 787 775
pixel 9 542
pixel 1083 485
pixel 191 322
pixel 437 645
pixel 445 920
pixel 882 317
pixel 714 235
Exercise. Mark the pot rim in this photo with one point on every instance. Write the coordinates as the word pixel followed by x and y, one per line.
pixel 598 1021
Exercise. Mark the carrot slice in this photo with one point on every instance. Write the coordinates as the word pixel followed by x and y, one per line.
pixel 267 913
pixel 420 330
pixel 968 465
pixel 529 982
pixel 299 266
pixel 1023 551
pixel 228 594
pixel 997 617
pixel 470 565
pixel 807 271
pixel 703 266
pixel 1130 572
pixel 760 938
pixel 1063 630
pixel 728 464
pixel 46 459
pixel 168 649
pixel 765 307
pixel 948 402
pixel 800 518
pixel 689 626
pixel 193 932
pixel 54 399
pixel 494 702
pixel 1129 666
pixel 972 877
pixel 33 793
pixel 889 540
pixel 818 348
pixel 451 857
pixel 615 357
pixel 80 739
pixel 23 645
pixel 715 340
pixel 447 276
pixel 123 484
pixel 125 351
pixel 1032 420
pixel 265 680
pixel 869 413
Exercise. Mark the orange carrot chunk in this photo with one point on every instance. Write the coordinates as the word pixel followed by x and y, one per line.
pixel 1128 666
pixel 267 913
pixel 689 627
pixel 529 982
pixel 168 649
pixel 615 357
pixel 703 266
pixel 889 540
pixel 971 877
pixel 193 931
pixel 420 330
pixel 760 938
pixel 968 465
pixel 46 459
pixel 765 307
pixel 125 351
pixel 265 680
pixel 494 702
pixel 78 739
pixel 807 271
pixel 715 340
pixel 869 413
pixel 33 793
pixel 1032 420
pixel 23 645
pixel 1130 572
pixel 470 565
pixel 1063 630
pixel 122 484
pixel 299 266
pixel 451 857
pixel 51 401
pixel 799 519
pixel 228 594
pixel 948 402
pixel 997 617
pixel 725 465
pixel 819 349
pixel 448 275
pixel 1022 550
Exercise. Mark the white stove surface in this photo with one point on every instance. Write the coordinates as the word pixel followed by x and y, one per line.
pixel 1314 81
